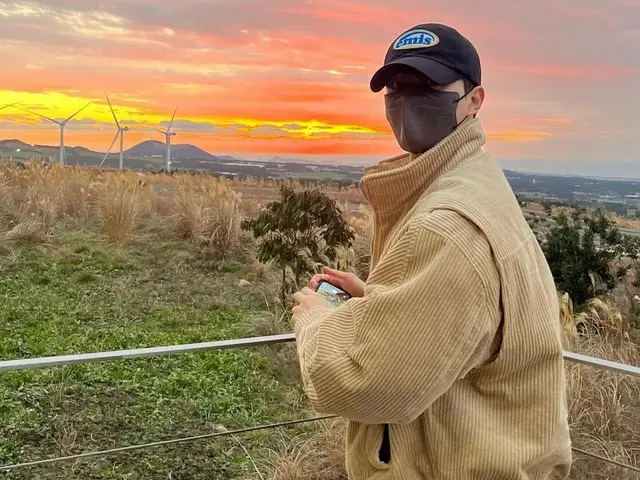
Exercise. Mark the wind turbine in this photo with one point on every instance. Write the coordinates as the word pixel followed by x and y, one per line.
pixel 167 135
pixel 9 105
pixel 62 124
pixel 120 133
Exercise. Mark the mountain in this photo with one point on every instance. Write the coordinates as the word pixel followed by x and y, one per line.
pixel 48 149
pixel 83 151
pixel 147 149
pixel 149 154
pixel 19 149
pixel 152 148
pixel 13 144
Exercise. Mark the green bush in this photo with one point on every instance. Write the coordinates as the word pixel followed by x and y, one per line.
pixel 300 231
pixel 580 250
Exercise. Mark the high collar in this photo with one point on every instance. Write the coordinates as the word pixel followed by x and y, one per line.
pixel 399 181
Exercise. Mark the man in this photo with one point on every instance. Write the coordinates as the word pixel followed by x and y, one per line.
pixel 448 360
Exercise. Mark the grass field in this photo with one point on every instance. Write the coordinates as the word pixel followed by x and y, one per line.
pixel 103 261
pixel 80 294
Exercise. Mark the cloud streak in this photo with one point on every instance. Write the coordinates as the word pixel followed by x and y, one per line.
pixel 292 77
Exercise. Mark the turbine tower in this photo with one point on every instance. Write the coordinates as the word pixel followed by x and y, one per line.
pixel 167 135
pixel 119 132
pixel 62 124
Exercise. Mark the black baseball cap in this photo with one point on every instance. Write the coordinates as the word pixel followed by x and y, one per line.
pixel 438 51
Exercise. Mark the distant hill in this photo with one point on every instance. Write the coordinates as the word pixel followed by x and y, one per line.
pixel 20 149
pixel 13 144
pixel 147 149
pixel 50 150
pixel 151 148
pixel 74 154
pixel 83 150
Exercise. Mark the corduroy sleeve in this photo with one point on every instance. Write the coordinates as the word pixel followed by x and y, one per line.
pixel 422 324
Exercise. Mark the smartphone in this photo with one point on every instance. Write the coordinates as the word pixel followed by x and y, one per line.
pixel 333 295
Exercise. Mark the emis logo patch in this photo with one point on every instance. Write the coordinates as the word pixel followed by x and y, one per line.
pixel 416 39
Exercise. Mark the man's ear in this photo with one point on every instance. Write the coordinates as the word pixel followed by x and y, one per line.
pixel 476 99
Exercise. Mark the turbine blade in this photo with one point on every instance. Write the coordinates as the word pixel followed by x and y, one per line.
pixel 160 131
pixel 171 122
pixel 9 105
pixel 110 147
pixel 40 115
pixel 79 111
pixel 112 112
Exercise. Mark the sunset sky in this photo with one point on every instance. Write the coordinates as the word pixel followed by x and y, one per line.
pixel 291 77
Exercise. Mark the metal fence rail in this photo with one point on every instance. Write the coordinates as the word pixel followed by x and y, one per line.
pixel 42 362
pixel 160 443
pixel 33 363
pixel 129 448
pixel 604 364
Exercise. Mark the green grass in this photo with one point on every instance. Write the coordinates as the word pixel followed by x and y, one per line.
pixel 79 294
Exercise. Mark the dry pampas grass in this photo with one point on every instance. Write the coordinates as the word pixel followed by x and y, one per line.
pixel 604 409
pixel 310 457
pixel 210 213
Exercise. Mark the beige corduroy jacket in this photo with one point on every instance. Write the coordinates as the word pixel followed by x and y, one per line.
pixel 456 343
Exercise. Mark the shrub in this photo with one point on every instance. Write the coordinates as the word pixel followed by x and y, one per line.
pixel 300 231
pixel 579 250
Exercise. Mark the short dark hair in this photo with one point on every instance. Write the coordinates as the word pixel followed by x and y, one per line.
pixel 468 85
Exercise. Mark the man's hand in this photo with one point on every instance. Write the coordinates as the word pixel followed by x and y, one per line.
pixel 304 300
pixel 348 282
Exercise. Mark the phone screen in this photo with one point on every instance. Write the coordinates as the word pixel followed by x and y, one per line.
pixel 333 295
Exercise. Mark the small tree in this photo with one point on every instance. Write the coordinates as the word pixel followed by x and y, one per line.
pixel 299 231
pixel 580 251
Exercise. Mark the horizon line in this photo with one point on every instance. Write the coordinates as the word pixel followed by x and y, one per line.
pixel 367 160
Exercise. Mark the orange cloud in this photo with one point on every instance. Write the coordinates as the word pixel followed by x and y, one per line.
pixel 581 72
pixel 516 136
pixel 350 12
pixel 289 76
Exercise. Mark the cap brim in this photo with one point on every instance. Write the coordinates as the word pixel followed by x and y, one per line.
pixel 432 69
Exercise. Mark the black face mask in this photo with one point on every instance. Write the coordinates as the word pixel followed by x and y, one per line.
pixel 420 119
